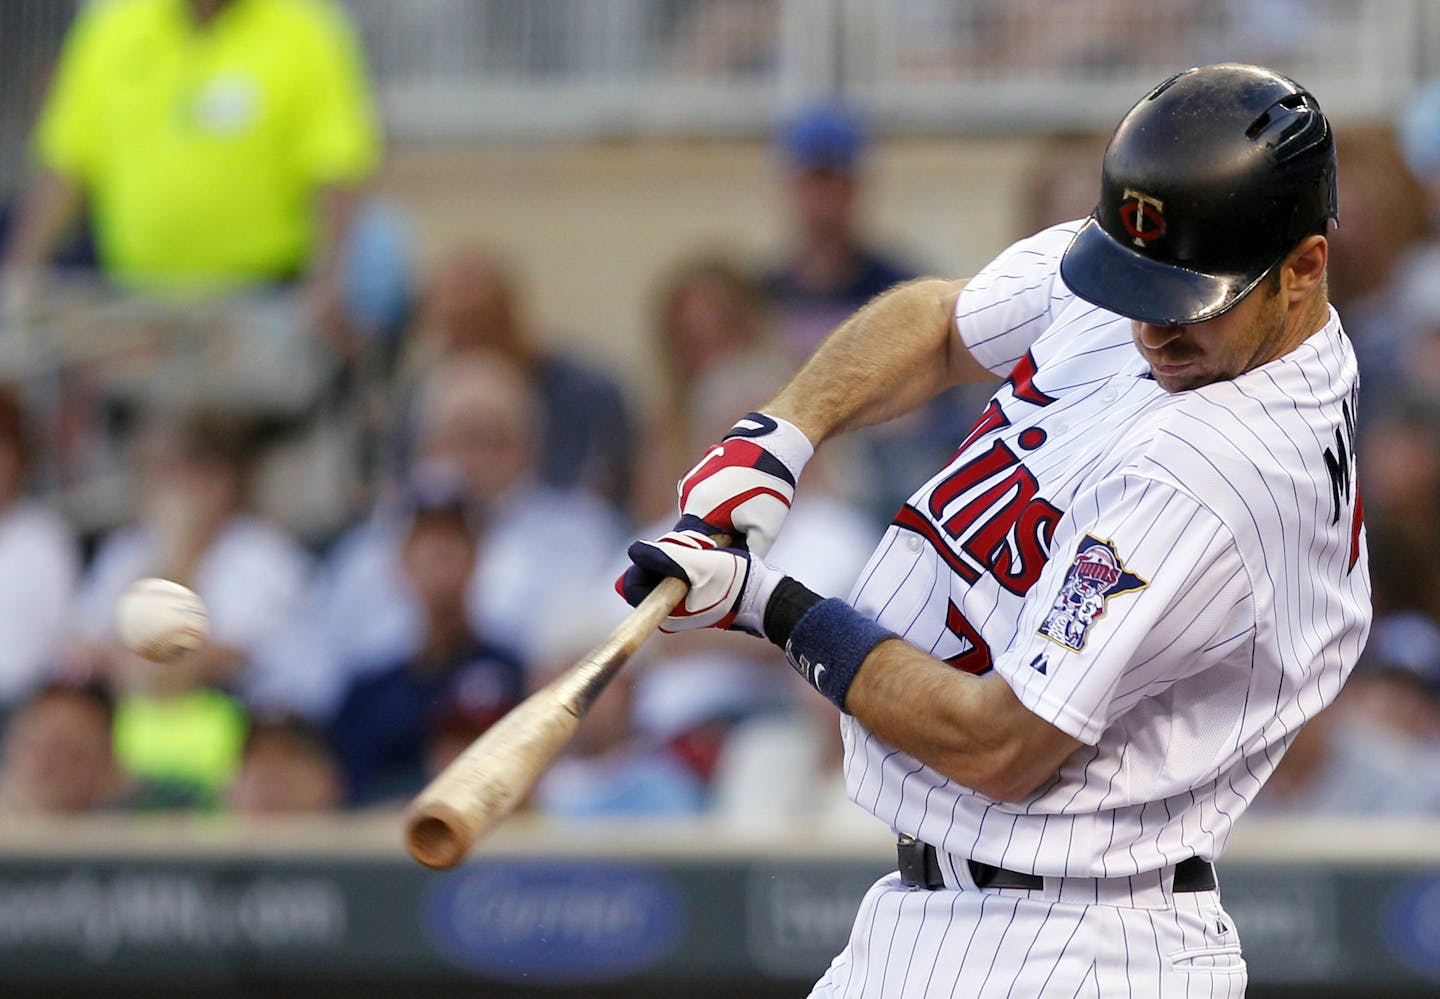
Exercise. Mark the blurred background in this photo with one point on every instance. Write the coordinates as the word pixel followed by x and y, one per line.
pixel 386 326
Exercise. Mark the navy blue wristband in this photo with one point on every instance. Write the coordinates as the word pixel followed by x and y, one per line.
pixel 829 643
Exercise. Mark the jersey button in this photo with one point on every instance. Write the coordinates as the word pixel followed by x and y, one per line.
pixel 915 543
pixel 1110 394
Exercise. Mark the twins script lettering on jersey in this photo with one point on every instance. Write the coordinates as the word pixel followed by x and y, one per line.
pixel 992 518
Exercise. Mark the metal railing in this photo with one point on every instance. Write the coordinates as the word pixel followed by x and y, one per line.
pixel 543 68
pixel 90 359
pixel 1024 65
pixel 467 69
pixel 565 68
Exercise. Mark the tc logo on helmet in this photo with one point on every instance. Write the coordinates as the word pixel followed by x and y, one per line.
pixel 1141 216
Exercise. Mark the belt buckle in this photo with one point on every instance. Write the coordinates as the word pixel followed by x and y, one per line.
pixel 910 853
pixel 918 863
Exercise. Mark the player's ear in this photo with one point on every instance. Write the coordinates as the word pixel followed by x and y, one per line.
pixel 1305 267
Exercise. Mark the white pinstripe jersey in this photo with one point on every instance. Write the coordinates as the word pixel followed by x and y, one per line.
pixel 1177 580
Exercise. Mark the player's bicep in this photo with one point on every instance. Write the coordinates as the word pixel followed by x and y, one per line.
pixel 1144 588
pixel 961 363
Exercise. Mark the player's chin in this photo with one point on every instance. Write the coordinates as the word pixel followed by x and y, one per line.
pixel 1181 377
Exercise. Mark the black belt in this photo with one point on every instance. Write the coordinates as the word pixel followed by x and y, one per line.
pixel 920 868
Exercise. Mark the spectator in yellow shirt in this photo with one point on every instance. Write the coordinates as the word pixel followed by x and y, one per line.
pixel 214 143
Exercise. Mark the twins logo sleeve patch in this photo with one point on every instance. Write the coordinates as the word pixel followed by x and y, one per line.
pixel 1096 575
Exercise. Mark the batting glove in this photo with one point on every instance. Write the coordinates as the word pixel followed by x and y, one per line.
pixel 729 587
pixel 745 484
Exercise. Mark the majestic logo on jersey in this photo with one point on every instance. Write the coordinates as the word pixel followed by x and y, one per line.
pixel 1096 575
pixel 1142 216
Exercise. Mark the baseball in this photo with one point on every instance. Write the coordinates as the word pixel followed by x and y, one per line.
pixel 160 620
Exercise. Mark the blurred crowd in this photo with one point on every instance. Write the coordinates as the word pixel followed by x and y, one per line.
pixel 490 477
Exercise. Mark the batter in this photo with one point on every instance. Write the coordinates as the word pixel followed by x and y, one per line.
pixel 1082 647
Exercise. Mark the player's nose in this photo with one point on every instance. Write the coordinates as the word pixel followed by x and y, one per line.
pixel 1154 337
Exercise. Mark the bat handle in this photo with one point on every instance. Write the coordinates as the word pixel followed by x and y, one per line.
pixel 648 615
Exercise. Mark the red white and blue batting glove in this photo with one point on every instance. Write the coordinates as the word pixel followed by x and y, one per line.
pixel 729 587
pixel 745 484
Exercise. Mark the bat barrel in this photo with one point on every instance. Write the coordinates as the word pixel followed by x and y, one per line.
pixel 493 775
pixel 436 839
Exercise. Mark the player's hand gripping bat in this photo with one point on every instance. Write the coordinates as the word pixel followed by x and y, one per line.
pixel 483 785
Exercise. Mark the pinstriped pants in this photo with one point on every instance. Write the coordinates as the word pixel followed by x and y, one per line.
pixel 959 943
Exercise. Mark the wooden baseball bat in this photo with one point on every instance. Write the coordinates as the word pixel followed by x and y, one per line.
pixel 483 785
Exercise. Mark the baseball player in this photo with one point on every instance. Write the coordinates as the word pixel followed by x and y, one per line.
pixel 1084 644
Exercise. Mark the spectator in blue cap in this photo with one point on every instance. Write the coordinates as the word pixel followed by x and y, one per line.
pixel 830 270
pixel 825 136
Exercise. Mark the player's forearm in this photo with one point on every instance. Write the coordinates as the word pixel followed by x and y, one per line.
pixel 971 729
pixel 894 354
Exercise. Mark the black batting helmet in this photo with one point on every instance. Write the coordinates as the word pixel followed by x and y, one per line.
pixel 1207 183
